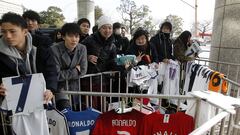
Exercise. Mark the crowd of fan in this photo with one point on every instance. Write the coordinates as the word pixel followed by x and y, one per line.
pixel 73 52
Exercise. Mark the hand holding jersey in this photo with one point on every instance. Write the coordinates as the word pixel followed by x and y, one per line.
pixel 2 90
pixel 22 93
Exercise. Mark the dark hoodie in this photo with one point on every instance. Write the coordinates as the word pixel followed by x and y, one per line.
pixel 12 63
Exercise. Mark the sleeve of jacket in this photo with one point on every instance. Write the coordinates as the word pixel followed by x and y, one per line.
pixel 83 61
pixel 154 53
pixel 156 43
pixel 112 57
pixel 50 73
pixel 63 74
pixel 179 53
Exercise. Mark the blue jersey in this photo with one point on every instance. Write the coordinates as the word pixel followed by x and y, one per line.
pixel 81 123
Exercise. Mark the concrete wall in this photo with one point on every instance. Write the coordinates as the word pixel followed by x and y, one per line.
pixel 226 36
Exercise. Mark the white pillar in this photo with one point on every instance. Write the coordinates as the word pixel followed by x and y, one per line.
pixel 85 9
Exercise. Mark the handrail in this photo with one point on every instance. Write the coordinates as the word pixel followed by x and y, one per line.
pixel 128 95
pixel 209 124
pixel 231 81
pixel 97 74
pixel 219 62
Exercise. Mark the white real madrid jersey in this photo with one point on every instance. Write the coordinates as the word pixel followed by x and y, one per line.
pixel 24 94
pixel 24 97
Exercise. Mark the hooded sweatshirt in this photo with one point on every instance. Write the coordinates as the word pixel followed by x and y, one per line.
pixel 28 63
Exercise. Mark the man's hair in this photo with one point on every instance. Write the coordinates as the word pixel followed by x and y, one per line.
pixel 83 20
pixel 70 28
pixel 15 19
pixel 117 25
pixel 167 24
pixel 32 15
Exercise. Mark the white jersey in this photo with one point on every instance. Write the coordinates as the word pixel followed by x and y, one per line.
pixel 24 95
pixel 34 123
pixel 171 80
pixel 139 75
pixel 57 123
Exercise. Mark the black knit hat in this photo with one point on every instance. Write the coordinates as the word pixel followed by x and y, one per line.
pixel 167 24
pixel 117 25
pixel 83 20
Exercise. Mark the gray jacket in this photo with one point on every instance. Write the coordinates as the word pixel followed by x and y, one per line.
pixel 66 68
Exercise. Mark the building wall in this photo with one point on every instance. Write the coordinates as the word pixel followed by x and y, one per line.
pixel 226 36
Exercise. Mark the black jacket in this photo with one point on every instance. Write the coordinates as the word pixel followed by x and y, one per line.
pixel 44 60
pixel 163 46
pixel 122 43
pixel 105 50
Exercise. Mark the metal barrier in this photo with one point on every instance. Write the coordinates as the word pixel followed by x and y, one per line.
pixel 221 115
pixel 231 70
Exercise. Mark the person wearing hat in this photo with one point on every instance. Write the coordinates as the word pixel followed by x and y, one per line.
pixel 101 53
pixel 121 43
pixel 84 25
pixel 141 47
pixel 163 43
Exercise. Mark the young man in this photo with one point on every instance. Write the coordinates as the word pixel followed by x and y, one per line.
pixel 71 61
pixel 163 43
pixel 101 53
pixel 43 43
pixel 84 25
pixel 122 43
pixel 17 54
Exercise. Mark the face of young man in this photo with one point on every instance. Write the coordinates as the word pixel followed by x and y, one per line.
pixel 71 40
pixel 166 29
pixel 32 24
pixel 84 27
pixel 14 35
pixel 106 30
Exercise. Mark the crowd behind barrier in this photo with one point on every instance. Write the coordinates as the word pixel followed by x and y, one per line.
pixel 224 121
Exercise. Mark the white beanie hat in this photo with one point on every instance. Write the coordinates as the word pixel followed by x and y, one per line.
pixel 104 20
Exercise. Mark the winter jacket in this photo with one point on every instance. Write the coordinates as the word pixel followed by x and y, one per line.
pixel 163 46
pixel 44 59
pixel 179 51
pixel 122 43
pixel 66 67
pixel 105 50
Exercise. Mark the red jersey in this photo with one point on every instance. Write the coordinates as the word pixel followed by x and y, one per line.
pixel 112 123
pixel 167 124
